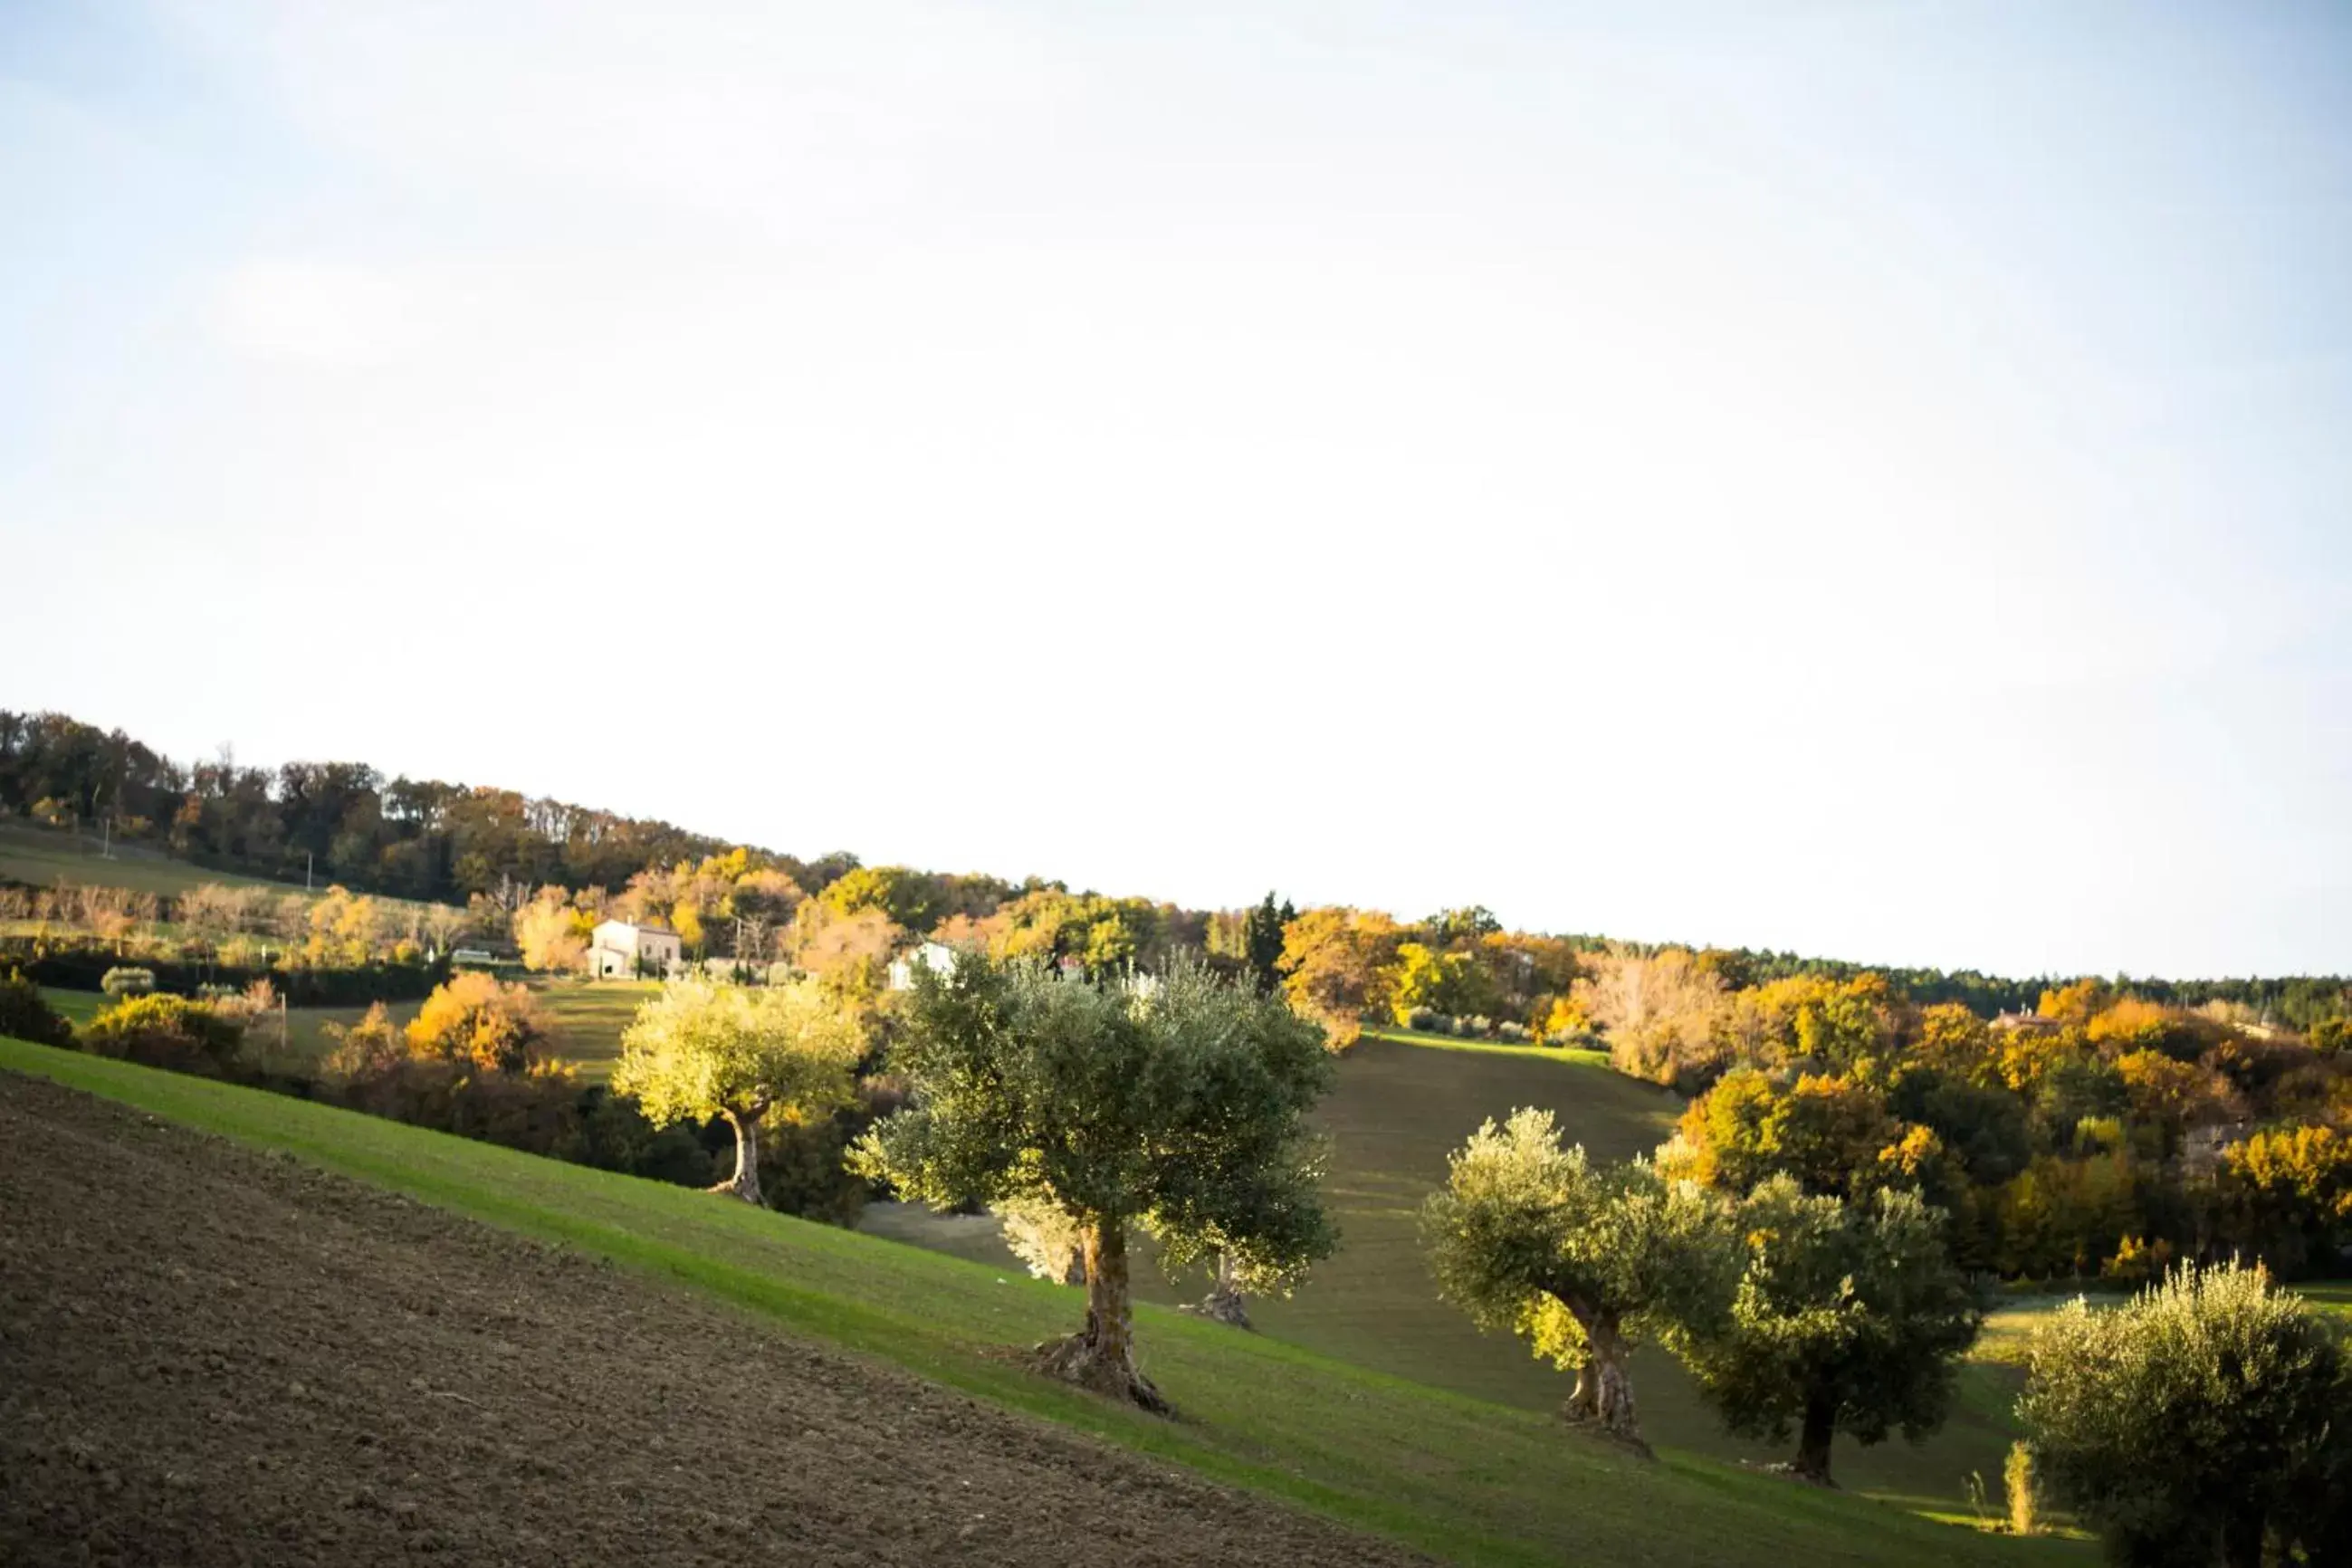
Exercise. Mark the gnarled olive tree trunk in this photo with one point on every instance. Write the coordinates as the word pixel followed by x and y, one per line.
pixel 1226 1301
pixel 1101 1356
pixel 745 1183
pixel 1813 1438
pixel 1604 1388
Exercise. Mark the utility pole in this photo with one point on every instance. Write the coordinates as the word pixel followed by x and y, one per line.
pixel 306 871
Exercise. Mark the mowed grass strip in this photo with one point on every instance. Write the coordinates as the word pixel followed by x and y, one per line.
pixel 1468 1481
pixel 48 856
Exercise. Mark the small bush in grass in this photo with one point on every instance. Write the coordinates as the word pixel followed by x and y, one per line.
pixel 123 981
pixel 1478 1028
pixel 1423 1019
pixel 1512 1034
pixel 26 1014
pixel 164 1032
pixel 475 1018
pixel 364 1049
pixel 2017 1477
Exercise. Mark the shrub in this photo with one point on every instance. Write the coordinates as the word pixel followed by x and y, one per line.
pixel 120 982
pixel 1423 1019
pixel 164 1032
pixel 479 1019
pixel 801 1170
pixel 1514 1034
pixel 1478 1028
pixel 613 1134
pixel 26 1014
pixel 2197 1422
pixel 81 968
pixel 364 1049
pixel 2017 1479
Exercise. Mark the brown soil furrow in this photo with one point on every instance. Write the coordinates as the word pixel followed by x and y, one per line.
pixel 210 1355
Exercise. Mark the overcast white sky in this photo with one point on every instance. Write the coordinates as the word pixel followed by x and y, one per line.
pixel 1873 479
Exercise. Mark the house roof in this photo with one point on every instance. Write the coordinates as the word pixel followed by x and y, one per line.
pixel 648 927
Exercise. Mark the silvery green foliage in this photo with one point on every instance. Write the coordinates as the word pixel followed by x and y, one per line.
pixel 1580 1259
pixel 1522 1216
pixel 1176 1103
pixel 2198 1420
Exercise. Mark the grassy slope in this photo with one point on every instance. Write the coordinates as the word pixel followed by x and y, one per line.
pixel 1470 1480
pixel 1403 1103
pixel 47 855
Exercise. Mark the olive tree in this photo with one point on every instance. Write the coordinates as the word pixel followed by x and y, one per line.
pixel 2196 1421
pixel 1578 1259
pixel 700 1051
pixel 1848 1317
pixel 1175 1106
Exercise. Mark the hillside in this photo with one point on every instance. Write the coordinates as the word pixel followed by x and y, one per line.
pixel 250 1392
pixel 47 855
pixel 1403 1103
pixel 1469 1480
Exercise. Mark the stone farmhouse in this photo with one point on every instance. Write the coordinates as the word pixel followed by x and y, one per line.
pixel 620 951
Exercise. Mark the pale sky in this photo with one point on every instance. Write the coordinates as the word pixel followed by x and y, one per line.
pixel 1874 479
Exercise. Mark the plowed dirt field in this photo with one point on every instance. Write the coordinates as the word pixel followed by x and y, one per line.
pixel 210 1357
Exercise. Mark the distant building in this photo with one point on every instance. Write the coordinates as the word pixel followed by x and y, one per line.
pixel 936 956
pixel 2027 1022
pixel 619 949
pixel 2201 1148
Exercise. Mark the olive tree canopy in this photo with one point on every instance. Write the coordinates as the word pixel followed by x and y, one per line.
pixel 1578 1259
pixel 700 1051
pixel 2198 1421
pixel 1849 1317
pixel 1175 1103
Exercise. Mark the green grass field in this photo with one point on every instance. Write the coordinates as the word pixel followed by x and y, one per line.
pixel 47 855
pixel 1403 1103
pixel 1470 1480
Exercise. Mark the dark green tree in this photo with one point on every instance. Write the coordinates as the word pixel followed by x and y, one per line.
pixel 1848 1317
pixel 1262 942
pixel 1174 1104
